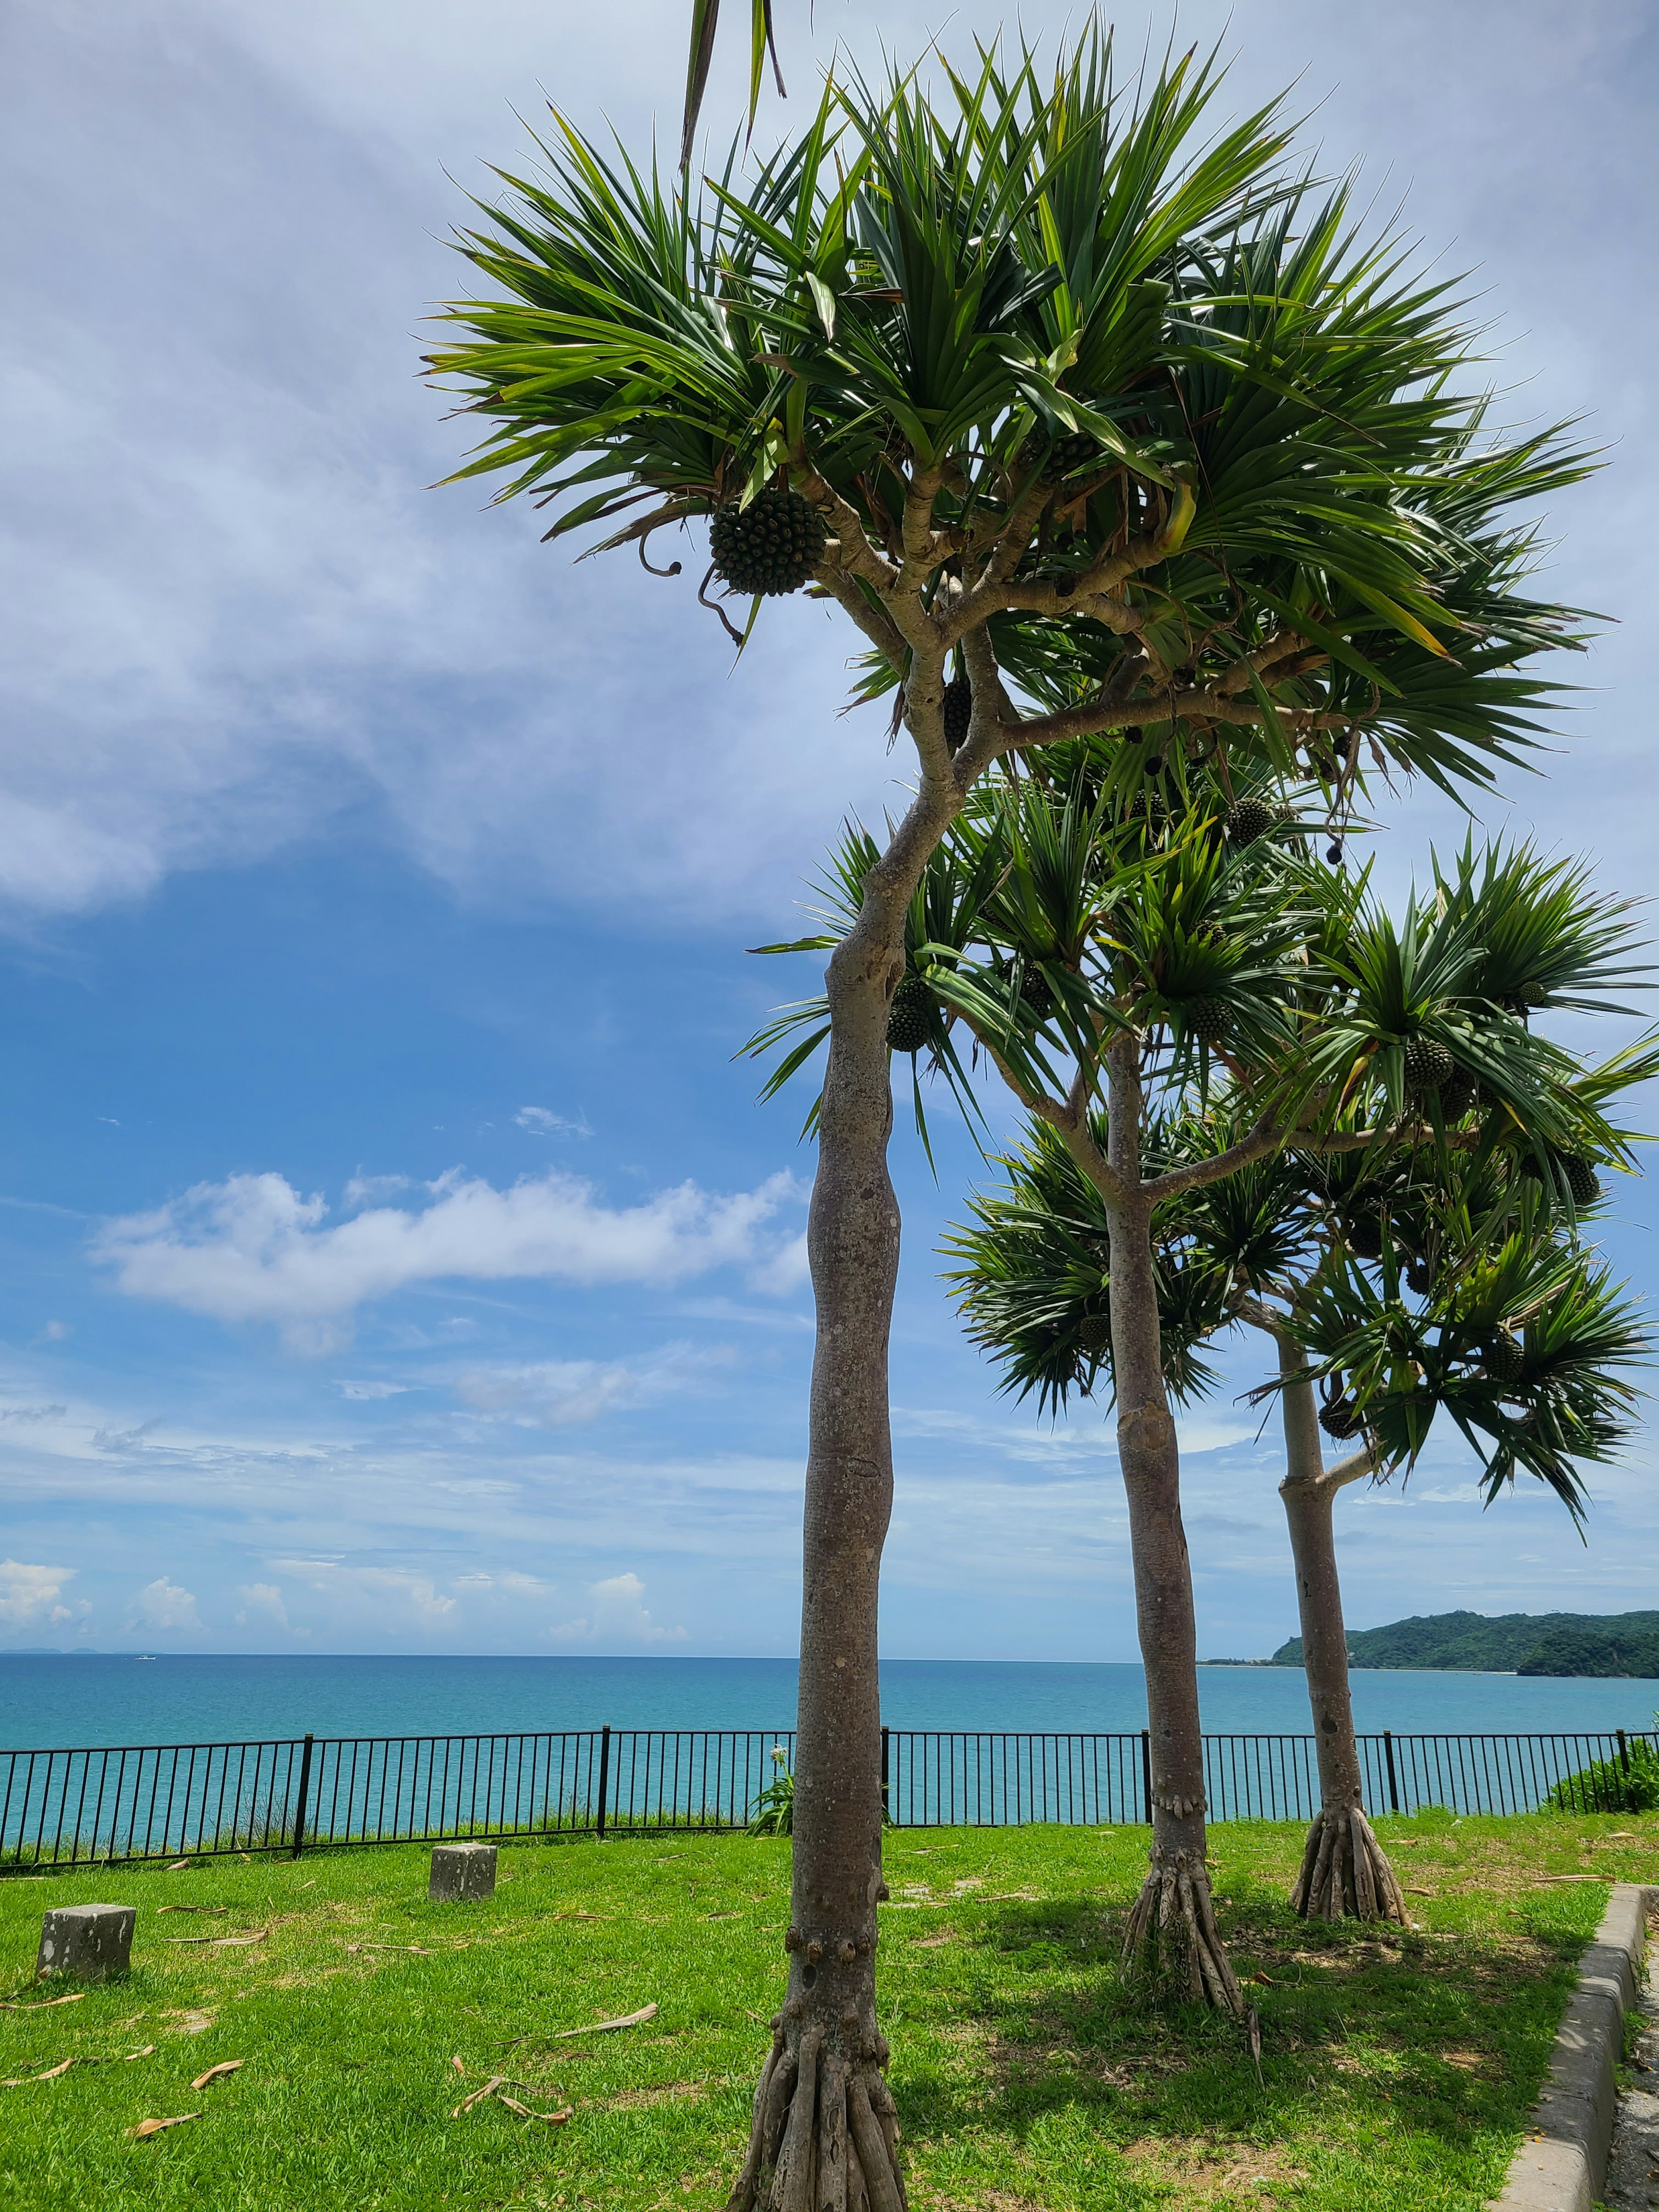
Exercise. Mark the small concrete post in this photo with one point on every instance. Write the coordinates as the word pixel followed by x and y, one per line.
pixel 89 1942
pixel 461 1872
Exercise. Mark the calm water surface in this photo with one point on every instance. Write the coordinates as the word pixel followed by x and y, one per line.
pixel 48 1700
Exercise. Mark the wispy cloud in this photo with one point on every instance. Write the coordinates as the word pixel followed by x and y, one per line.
pixel 555 1393
pixel 542 1121
pixel 252 1248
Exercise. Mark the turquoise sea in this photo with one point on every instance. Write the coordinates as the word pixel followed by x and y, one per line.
pixel 52 1701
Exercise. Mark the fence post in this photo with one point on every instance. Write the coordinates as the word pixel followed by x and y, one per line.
pixel 1394 1783
pixel 1146 1768
pixel 604 1774
pixel 1623 1752
pixel 886 1814
pixel 305 1788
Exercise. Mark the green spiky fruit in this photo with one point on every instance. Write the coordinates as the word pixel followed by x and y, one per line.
pixel 1147 806
pixel 1207 1020
pixel 1068 451
pixel 1363 1234
pixel 1428 1065
pixel 1582 1181
pixel 1583 1184
pixel 1458 1093
pixel 959 711
pixel 1094 1335
pixel 909 1018
pixel 1340 1418
pixel 1250 819
pixel 1037 992
pixel 769 547
pixel 1501 1356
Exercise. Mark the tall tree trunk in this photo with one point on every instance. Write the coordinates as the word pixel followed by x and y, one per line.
pixel 1172 1928
pixel 824 2131
pixel 1345 1871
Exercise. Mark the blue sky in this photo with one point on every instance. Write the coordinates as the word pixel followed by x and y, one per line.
pixel 391 1256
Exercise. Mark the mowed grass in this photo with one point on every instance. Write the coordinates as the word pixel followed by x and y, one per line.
pixel 1397 2070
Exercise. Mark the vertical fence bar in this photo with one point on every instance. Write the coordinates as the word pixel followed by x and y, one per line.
pixel 1393 1779
pixel 886 1775
pixel 300 1807
pixel 604 1774
pixel 1147 1770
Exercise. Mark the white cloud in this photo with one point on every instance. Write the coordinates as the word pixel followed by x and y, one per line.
pixel 362 1188
pixel 542 1121
pixel 555 1393
pixel 616 1614
pixel 162 1604
pixel 396 1594
pixel 785 1272
pixel 261 1600
pixel 371 1390
pixel 253 1250
pixel 31 1593
pixel 55 1332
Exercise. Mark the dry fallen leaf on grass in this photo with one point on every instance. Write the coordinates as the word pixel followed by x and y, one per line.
pixel 1410 1891
pixel 579 1916
pixel 40 2004
pixel 600 2027
pixel 179 1866
pixel 552 2119
pixel 192 1908
pixel 22 2081
pixel 154 2126
pixel 147 2052
pixel 456 2063
pixel 217 2073
pixel 478 2095
pixel 419 1949
pixel 223 1942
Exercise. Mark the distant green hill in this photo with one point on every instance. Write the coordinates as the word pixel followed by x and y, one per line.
pixel 1624 1643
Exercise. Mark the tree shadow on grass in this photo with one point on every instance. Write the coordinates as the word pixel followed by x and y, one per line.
pixel 1424 2048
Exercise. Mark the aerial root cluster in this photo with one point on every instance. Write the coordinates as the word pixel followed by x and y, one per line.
pixel 824 2136
pixel 1172 1929
pixel 1346 1874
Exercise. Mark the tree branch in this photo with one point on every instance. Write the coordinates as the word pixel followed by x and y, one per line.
pixel 1266 1137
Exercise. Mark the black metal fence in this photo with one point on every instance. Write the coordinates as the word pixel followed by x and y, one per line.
pixel 81 1807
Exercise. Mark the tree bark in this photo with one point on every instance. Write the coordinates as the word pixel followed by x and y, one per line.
pixel 824 2131
pixel 1171 1929
pixel 1344 1872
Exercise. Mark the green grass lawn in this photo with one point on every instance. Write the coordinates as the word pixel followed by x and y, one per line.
pixel 1396 2072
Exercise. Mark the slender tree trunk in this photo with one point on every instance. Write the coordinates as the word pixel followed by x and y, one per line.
pixel 1172 1928
pixel 823 2136
pixel 1345 1871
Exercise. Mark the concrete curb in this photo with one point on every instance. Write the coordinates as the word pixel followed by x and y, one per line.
pixel 1563 2164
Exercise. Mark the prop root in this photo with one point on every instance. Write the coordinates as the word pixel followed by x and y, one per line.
pixel 1346 1874
pixel 824 2135
pixel 1171 1933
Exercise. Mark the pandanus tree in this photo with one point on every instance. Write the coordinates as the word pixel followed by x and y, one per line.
pixel 1102 429
pixel 1124 963
pixel 1532 1347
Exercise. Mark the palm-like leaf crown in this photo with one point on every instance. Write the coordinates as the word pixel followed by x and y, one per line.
pixel 1516 1334
pixel 1108 408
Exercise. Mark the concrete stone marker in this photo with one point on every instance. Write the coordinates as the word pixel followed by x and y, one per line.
pixel 462 1873
pixel 87 1942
